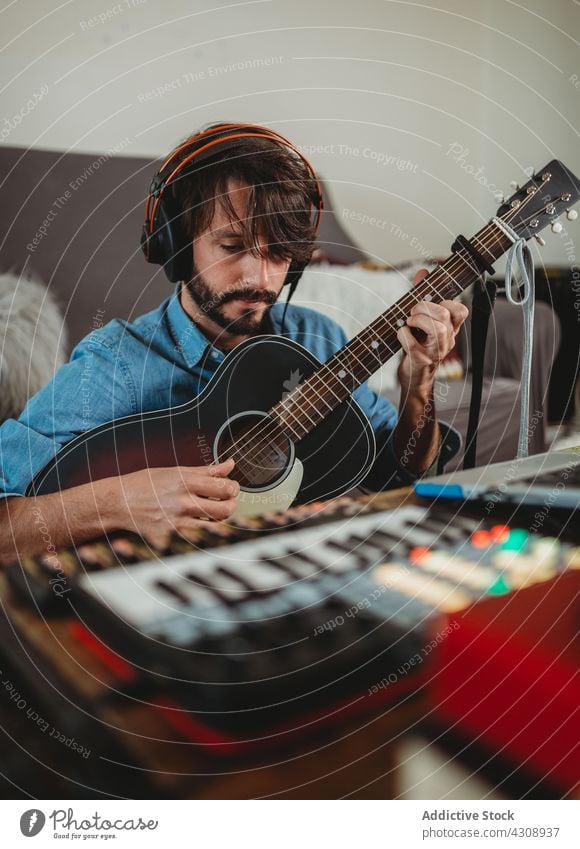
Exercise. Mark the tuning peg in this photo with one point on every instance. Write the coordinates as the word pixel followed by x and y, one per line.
pixel 571 214
pixel 557 227
pixel 499 197
pixel 529 171
pixel 539 240
pixel 514 185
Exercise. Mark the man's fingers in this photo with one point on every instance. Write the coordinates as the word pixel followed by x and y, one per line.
pixel 436 331
pixel 189 528
pixel 221 469
pixel 420 275
pixel 435 311
pixel 409 343
pixel 203 485
pixel 207 508
pixel 458 312
pixel 414 349
pixel 158 539
pixel 447 311
pixel 406 339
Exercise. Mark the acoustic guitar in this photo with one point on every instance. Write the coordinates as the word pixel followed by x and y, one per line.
pixel 313 442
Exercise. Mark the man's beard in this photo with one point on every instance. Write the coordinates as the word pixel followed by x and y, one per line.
pixel 211 305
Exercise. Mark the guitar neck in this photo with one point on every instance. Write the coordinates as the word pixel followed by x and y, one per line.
pixel 315 398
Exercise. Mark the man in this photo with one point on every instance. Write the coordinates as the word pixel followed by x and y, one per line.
pixel 247 219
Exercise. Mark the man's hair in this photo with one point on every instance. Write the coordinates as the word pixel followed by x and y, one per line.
pixel 280 200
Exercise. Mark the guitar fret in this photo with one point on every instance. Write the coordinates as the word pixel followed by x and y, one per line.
pixel 468 260
pixel 444 270
pixel 339 376
pixel 434 290
pixel 311 385
pixel 293 432
pixel 283 425
pixel 347 369
pixel 485 247
pixel 368 371
pixel 290 413
pixel 389 326
pixel 372 350
pixel 302 395
pixel 327 386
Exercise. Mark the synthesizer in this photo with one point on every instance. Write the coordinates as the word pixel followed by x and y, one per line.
pixel 45 580
pixel 265 629
pixel 266 620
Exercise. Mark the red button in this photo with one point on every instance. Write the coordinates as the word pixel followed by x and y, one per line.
pixel 419 554
pixel 481 539
pixel 500 533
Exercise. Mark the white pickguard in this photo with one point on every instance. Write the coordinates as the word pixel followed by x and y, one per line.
pixel 280 497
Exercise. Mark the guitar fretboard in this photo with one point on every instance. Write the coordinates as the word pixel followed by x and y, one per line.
pixel 316 397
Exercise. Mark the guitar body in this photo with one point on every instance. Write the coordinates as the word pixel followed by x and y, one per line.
pixel 327 462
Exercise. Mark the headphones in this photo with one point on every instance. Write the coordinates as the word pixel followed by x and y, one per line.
pixel 163 239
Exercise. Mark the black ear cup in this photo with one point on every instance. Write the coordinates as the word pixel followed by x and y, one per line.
pixel 168 245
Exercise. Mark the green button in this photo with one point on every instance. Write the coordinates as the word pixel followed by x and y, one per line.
pixel 499 586
pixel 516 541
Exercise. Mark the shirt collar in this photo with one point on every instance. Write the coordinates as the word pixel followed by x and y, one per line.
pixel 188 339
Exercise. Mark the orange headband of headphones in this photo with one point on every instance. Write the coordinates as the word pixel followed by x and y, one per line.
pixel 269 135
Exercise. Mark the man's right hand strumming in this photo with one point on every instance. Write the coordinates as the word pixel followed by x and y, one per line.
pixel 150 502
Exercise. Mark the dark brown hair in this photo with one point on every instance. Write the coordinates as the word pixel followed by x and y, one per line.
pixel 280 201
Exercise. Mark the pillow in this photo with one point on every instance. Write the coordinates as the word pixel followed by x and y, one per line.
pixel 354 296
pixel 33 341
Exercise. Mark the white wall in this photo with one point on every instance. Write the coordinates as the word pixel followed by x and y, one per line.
pixel 380 91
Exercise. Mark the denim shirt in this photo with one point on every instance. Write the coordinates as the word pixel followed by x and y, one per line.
pixel 162 360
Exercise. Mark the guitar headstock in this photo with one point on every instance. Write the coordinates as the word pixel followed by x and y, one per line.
pixel 549 193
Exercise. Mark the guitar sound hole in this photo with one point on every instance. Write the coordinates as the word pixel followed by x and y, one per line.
pixel 262 454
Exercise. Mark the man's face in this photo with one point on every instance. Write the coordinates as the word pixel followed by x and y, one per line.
pixel 230 287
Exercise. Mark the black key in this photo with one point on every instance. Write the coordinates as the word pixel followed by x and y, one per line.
pixel 226 586
pixel 295 565
pixel 256 577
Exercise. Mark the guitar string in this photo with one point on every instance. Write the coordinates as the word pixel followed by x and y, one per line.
pixel 458 263
pixel 273 425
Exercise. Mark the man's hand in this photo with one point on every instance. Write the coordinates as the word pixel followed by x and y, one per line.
pixel 154 502
pixel 436 325
pixel 426 340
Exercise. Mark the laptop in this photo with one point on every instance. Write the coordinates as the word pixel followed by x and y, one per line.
pixel 551 479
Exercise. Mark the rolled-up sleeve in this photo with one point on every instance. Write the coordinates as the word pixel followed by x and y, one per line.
pixel 94 387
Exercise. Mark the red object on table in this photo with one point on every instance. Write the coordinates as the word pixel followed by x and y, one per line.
pixel 508 676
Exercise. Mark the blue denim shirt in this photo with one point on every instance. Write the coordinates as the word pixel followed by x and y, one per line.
pixel 162 360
